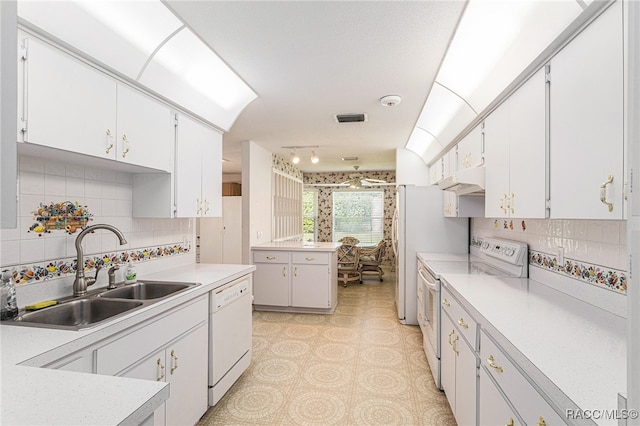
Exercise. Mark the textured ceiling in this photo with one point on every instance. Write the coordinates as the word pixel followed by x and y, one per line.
pixel 310 60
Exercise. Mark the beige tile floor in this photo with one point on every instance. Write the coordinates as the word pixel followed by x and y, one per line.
pixel 359 366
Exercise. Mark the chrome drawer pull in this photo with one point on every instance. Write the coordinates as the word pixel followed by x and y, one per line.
pixel 493 365
pixel 461 323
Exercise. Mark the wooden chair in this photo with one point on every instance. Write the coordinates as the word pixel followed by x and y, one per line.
pixel 349 264
pixel 370 260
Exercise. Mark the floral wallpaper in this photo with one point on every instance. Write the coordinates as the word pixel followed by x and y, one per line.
pixel 285 166
pixel 325 203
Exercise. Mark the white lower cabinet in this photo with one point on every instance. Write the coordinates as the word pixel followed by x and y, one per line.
pixel 527 402
pixel 172 348
pixel 180 364
pixel 459 369
pixel 493 408
pixel 305 280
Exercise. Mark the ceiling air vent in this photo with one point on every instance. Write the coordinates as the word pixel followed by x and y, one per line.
pixel 350 118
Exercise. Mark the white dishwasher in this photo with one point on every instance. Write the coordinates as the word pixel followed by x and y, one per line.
pixel 230 328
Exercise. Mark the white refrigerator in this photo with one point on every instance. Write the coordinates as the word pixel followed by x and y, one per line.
pixel 420 226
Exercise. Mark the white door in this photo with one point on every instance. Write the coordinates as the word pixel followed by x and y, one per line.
pixel 271 284
pixel 586 140
pixel 188 167
pixel 69 105
pixel 310 286
pixel 466 383
pixel 145 130
pixel 448 360
pixel 493 409
pixel 232 233
pixel 154 367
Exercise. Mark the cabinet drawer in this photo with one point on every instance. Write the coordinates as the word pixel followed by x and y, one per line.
pixel 313 258
pixel 136 345
pixel 467 326
pixel 524 397
pixel 270 257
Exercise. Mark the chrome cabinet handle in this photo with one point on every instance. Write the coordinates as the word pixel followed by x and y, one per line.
pixel 161 367
pixel 109 140
pixel 174 362
pixel 461 323
pixel 125 143
pixel 603 193
pixel 493 365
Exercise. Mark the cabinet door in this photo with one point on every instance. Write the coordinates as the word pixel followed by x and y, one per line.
pixel 527 149
pixel 493 409
pixel 154 367
pixel 470 150
pixel 271 284
pixel 188 167
pixel 212 174
pixel 496 153
pixel 448 360
pixel 145 130
pixel 187 363
pixel 69 105
pixel 586 140
pixel 466 383
pixel 310 286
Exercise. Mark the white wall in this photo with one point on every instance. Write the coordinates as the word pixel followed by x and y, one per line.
pixel 108 196
pixel 410 168
pixel 256 200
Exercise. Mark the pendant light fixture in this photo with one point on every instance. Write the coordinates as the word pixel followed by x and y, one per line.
pixel 294 157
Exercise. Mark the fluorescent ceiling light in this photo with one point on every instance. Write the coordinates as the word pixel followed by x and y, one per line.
pixel 485 32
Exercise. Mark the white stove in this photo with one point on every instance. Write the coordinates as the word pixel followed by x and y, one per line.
pixel 488 256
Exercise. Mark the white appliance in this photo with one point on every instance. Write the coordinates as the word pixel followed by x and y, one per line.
pixel 489 256
pixel 419 226
pixel 230 328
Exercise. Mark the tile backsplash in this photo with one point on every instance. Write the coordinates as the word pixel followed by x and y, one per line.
pixel 601 242
pixel 107 195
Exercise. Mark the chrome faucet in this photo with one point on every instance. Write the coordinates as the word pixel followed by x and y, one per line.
pixel 81 282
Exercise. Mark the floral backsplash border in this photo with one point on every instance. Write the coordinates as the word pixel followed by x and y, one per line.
pixel 602 276
pixel 27 274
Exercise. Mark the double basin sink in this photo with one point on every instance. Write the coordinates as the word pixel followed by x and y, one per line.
pixel 100 306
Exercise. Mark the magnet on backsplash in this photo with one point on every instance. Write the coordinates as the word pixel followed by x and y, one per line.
pixel 524 226
pixel 511 224
pixel 505 225
pixel 495 223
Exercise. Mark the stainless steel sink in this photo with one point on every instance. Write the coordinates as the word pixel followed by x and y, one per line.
pixel 100 306
pixel 77 314
pixel 146 290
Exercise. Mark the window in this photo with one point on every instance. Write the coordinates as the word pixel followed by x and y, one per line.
pixel 358 214
pixel 310 215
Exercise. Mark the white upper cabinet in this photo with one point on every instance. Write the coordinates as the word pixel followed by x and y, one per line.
pixel 198 174
pixel 435 171
pixel 586 122
pixel 470 151
pixel 65 103
pixel 70 105
pixel 515 153
pixel 145 130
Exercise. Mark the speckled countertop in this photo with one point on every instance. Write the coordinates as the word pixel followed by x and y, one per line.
pixel 297 245
pixel 32 395
pixel 577 346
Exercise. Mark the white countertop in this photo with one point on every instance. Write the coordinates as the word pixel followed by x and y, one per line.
pixel 45 396
pixel 577 346
pixel 426 257
pixel 297 245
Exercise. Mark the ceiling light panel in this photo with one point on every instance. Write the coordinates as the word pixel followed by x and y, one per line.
pixel 119 34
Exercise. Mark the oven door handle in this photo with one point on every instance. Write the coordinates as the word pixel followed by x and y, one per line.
pixel 430 284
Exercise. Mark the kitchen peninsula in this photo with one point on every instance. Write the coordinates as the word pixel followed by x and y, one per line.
pixel 295 276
